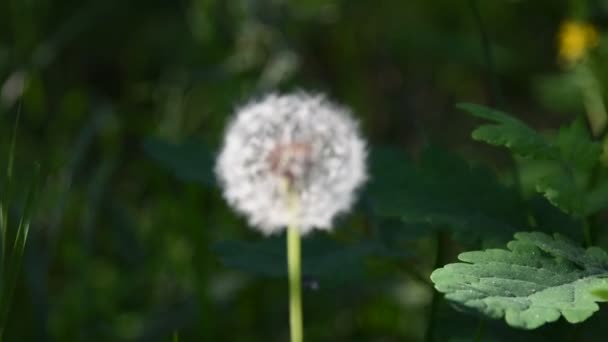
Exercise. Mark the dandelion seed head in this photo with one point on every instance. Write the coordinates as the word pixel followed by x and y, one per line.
pixel 303 140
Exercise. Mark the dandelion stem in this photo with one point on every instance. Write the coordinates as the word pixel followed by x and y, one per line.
pixel 294 267
pixel 295 283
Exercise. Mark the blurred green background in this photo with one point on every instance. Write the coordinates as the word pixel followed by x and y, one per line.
pixel 123 105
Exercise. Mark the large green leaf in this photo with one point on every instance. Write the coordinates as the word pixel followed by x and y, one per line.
pixel 509 132
pixel 444 191
pixel 189 161
pixel 323 259
pixel 537 280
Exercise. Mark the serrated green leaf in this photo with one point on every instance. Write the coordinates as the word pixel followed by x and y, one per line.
pixel 561 190
pixel 189 161
pixel 573 152
pixel 323 259
pixel 536 281
pixel 509 132
pixel 577 150
pixel 565 186
pixel 443 190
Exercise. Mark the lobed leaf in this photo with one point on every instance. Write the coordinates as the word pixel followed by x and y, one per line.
pixel 189 161
pixel 323 259
pixel 565 187
pixel 535 281
pixel 445 191
pixel 561 190
pixel 573 151
pixel 509 132
pixel 577 149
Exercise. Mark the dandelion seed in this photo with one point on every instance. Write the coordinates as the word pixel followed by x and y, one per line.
pixel 300 139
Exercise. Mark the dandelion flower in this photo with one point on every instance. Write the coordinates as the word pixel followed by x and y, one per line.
pixel 302 140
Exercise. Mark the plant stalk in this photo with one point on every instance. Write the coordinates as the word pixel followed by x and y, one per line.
pixel 440 250
pixel 479 332
pixel 294 269
pixel 492 77
pixel 295 283
pixel 593 100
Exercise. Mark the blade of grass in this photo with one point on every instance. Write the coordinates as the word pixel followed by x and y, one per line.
pixel 13 263
pixel 6 190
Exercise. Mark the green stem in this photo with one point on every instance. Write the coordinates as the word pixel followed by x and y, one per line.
pixel 587 232
pixel 593 100
pixel 430 327
pixel 496 95
pixel 590 221
pixel 436 299
pixel 415 275
pixel 294 265
pixel 492 77
pixel 6 199
pixel 295 283
pixel 479 332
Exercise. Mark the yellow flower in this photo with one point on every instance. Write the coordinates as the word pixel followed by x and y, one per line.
pixel 575 39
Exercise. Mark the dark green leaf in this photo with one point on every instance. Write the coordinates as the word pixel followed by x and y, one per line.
pixel 323 259
pixel 559 92
pixel 443 190
pixel 189 161
pixel 550 219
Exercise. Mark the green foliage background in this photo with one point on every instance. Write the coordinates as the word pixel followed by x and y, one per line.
pixel 123 107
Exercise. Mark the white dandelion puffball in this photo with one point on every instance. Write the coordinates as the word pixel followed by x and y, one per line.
pixel 302 140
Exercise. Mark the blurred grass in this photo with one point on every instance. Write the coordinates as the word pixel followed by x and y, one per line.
pixel 120 247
